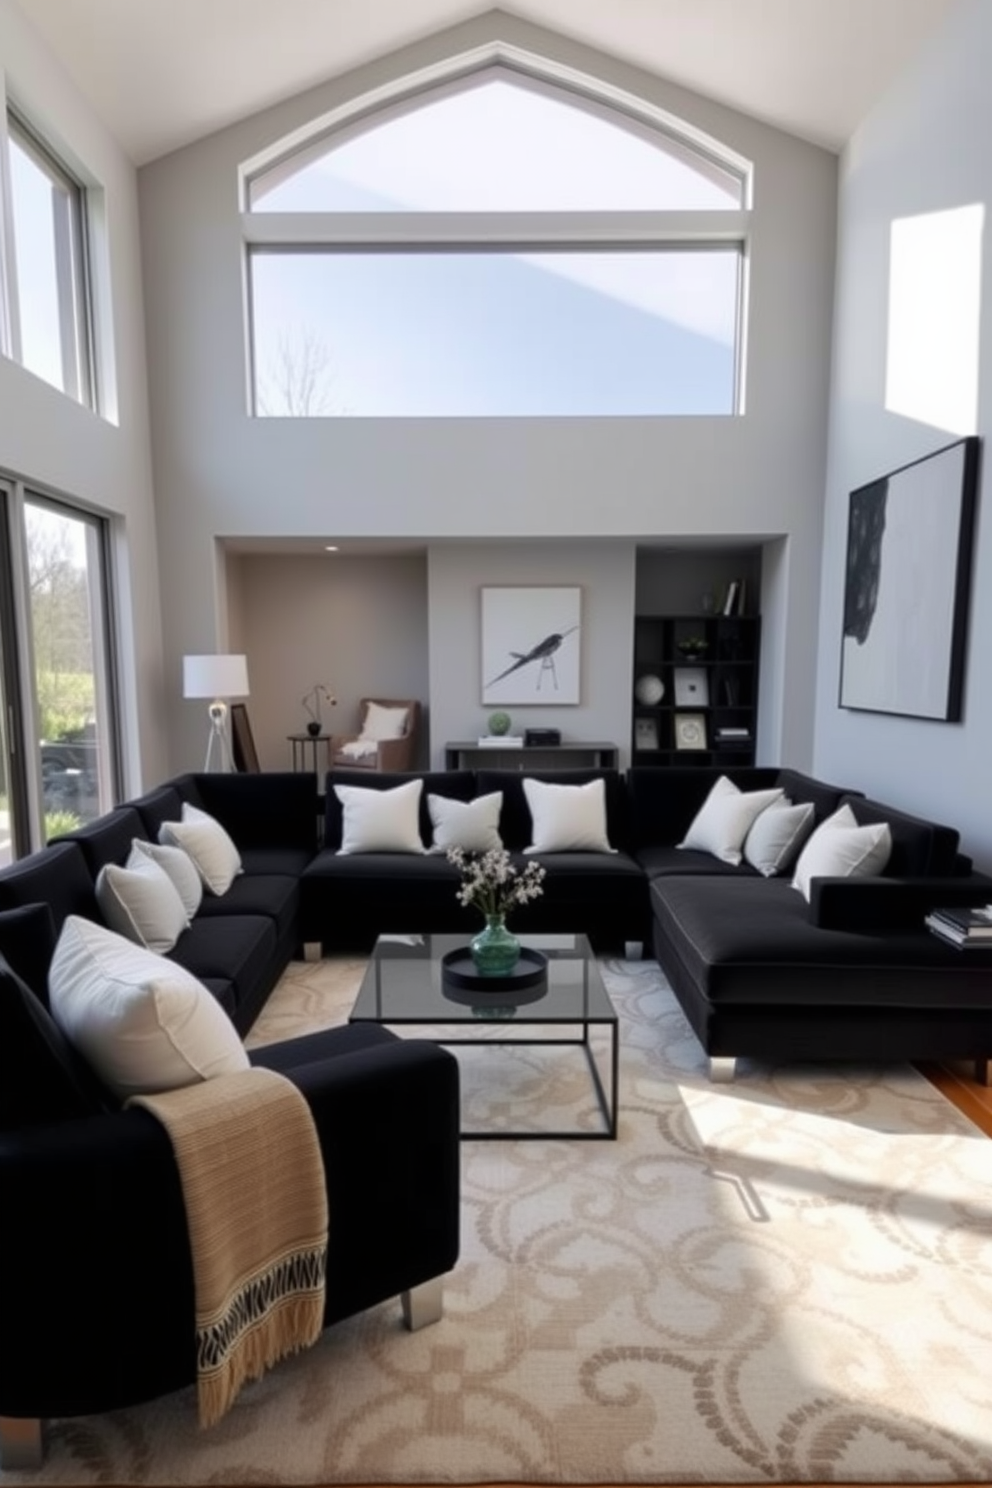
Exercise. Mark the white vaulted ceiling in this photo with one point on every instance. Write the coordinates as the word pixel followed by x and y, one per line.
pixel 162 73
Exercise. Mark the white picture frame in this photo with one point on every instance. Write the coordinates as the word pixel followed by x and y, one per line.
pixel 692 688
pixel 530 645
pixel 690 731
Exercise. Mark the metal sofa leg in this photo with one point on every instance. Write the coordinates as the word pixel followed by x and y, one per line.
pixel 312 950
pixel 722 1069
pixel 423 1304
pixel 20 1443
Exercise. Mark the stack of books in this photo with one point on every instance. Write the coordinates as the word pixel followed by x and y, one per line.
pixel 963 927
pixel 501 741
pixel 726 735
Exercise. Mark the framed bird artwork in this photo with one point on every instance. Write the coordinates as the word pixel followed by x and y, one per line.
pixel 530 644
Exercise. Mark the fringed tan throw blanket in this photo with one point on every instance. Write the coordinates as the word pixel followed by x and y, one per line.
pixel 256 1207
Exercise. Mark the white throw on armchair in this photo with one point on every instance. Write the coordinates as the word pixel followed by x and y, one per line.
pixel 387 737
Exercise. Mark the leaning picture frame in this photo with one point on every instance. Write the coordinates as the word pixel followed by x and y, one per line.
pixel 530 645
pixel 691 687
pixel 690 731
pixel 645 733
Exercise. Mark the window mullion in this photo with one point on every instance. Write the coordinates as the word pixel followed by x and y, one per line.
pixel 387 229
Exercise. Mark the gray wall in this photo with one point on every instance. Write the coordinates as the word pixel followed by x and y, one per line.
pixel 220 474
pixel 926 148
pixel 605 574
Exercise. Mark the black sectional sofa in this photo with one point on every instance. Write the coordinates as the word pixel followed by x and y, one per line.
pixel 759 971
pixel 96 1289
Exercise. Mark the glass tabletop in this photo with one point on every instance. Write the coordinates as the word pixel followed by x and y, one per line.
pixel 404 983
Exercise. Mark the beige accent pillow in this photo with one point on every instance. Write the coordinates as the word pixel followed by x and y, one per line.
pixel 567 818
pixel 384 723
pixel 143 1023
pixel 380 820
pixel 839 848
pixel 179 866
pixel 140 901
pixel 217 860
pixel 471 825
pixel 725 818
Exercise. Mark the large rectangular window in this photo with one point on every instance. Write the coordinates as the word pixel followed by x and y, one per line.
pixel 495 332
pixel 49 304
pixel 70 647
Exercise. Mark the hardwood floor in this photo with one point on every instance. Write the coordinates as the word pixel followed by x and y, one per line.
pixel 967 1084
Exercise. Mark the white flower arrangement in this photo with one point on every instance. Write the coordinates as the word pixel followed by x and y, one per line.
pixel 311 700
pixel 491 884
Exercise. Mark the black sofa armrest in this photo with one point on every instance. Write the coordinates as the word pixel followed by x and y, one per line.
pixel 878 905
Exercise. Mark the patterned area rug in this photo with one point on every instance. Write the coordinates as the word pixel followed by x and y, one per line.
pixel 785 1279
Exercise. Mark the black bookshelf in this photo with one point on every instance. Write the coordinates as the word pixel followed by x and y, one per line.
pixel 708 712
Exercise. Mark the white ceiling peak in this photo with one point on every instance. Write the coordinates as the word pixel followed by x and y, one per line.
pixel 162 73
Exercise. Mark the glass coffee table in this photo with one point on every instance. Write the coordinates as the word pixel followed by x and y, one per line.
pixel 405 983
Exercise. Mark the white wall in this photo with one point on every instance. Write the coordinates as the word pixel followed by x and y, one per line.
pixel 927 147
pixel 219 473
pixel 59 447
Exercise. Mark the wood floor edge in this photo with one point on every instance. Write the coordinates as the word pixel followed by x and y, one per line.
pixel 974 1100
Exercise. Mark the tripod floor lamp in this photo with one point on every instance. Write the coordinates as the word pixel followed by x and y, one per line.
pixel 218 678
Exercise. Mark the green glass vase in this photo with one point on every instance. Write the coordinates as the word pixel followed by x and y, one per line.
pixel 495 950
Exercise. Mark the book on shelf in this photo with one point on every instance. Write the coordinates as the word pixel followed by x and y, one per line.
pixel 730 598
pixel 965 926
pixel 501 741
pixel 729 731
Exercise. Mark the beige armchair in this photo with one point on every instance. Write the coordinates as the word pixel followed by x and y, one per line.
pixel 377 745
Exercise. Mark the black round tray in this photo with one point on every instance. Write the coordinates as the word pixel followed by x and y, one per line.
pixel 462 983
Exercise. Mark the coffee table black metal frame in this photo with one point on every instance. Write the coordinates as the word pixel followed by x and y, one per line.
pixel 403 985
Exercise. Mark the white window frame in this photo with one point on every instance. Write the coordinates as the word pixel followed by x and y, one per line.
pixel 511 231
pixel 72 261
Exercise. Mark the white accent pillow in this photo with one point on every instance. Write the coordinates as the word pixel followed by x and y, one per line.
pixel 567 818
pixel 471 825
pixel 214 854
pixel 380 820
pixel 142 1022
pixel 384 723
pixel 725 818
pixel 777 835
pixel 140 901
pixel 839 848
pixel 180 868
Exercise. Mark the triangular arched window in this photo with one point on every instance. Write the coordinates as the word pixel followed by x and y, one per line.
pixel 498 142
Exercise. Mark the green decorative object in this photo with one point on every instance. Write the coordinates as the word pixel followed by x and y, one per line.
pixel 495 950
pixel 499 723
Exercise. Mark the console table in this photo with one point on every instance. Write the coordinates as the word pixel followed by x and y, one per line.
pixel 468 754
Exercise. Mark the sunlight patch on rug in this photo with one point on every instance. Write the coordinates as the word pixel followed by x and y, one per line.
pixel 784 1279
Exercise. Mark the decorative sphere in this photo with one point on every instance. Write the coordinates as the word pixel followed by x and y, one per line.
pixel 649 689
pixel 499 723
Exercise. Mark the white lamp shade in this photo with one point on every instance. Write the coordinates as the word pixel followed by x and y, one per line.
pixel 215 676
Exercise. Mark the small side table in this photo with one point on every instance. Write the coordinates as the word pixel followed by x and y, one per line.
pixel 300 742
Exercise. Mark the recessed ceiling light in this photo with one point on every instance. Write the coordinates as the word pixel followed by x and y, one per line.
pixel 330 547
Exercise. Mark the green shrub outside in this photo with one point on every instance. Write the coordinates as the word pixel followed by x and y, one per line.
pixel 66 705
pixel 57 823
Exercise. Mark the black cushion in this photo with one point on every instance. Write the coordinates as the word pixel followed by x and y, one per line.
pixel 750 941
pixel 27 940
pixel 918 847
pixel 42 1080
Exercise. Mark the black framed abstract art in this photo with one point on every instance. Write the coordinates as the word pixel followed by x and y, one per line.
pixel 907 582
